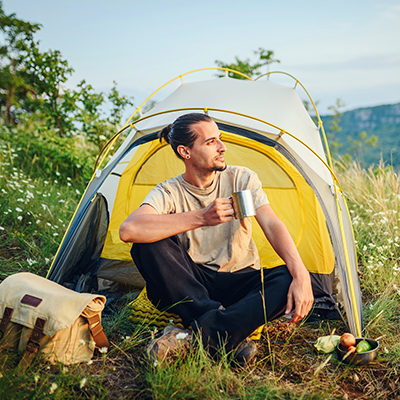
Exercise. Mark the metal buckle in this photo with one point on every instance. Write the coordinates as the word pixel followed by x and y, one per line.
pixel 32 347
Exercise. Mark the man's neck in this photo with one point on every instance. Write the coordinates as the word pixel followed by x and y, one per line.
pixel 202 181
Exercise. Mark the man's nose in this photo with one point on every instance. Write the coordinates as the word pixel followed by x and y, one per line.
pixel 222 146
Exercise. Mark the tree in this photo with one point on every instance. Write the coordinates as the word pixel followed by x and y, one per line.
pixel 334 126
pixel 16 39
pixel 119 104
pixel 265 57
pixel 46 72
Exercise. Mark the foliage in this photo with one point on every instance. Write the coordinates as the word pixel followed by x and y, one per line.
pixel 119 103
pixel 265 58
pixel 334 126
pixel 46 72
pixel 16 37
pixel 39 151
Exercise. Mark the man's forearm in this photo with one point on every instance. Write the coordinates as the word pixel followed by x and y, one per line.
pixel 149 228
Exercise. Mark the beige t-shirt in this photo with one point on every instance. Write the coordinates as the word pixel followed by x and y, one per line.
pixel 227 247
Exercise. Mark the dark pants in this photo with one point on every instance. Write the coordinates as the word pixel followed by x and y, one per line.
pixel 195 292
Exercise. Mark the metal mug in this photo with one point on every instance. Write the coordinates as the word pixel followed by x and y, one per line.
pixel 243 204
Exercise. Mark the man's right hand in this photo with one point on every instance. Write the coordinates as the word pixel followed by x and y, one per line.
pixel 219 211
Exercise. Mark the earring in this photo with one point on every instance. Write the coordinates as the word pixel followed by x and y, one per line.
pixel 188 156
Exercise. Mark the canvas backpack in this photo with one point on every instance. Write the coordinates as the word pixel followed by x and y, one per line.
pixel 38 315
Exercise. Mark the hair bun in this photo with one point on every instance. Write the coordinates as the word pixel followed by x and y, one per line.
pixel 164 133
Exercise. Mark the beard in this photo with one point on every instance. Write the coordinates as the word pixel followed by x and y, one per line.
pixel 221 168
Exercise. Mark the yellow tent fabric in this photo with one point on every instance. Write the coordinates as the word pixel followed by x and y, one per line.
pixel 290 196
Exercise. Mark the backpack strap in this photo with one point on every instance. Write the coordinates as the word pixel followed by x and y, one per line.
pixel 5 320
pixel 99 337
pixel 33 345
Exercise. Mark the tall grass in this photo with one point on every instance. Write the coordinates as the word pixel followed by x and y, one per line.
pixel 35 209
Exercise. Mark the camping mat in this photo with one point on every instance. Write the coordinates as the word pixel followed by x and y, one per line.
pixel 145 312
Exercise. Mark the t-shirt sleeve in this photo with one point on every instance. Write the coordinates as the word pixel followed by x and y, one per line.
pixel 160 199
pixel 255 185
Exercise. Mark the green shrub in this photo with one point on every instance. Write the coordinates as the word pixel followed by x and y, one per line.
pixel 40 152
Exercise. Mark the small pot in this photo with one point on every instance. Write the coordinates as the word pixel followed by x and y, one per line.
pixel 359 358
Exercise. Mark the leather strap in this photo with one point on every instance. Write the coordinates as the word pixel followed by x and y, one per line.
pixel 33 345
pixel 5 320
pixel 99 337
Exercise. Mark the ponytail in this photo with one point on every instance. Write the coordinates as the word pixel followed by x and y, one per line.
pixel 181 132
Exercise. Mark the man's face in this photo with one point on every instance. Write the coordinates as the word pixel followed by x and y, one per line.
pixel 207 152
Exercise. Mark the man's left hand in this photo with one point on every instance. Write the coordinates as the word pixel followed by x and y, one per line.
pixel 300 293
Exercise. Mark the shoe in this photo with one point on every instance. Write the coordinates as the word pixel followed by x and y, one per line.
pixel 245 352
pixel 173 338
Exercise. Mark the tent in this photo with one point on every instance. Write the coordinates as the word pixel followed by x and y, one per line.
pixel 265 127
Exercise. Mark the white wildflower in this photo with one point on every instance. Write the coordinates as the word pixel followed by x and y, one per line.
pixel 90 362
pixel 181 335
pixel 30 261
pixel 57 173
pixel 155 363
pixel 38 221
pixel 1 228
pixel 19 218
pixel 81 341
pixel 18 209
pixel 68 184
pixel 21 200
pixel 36 378
pixel 68 178
pixel 82 383
pixel 103 350
pixel 46 260
pixel 53 388
pixel 46 182
pixel 77 191
pixel 55 234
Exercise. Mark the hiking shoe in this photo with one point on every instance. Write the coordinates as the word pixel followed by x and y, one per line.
pixel 245 352
pixel 173 338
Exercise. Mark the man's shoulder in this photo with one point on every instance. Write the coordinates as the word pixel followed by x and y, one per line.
pixel 170 183
pixel 238 170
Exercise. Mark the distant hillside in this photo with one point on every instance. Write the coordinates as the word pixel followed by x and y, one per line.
pixel 381 121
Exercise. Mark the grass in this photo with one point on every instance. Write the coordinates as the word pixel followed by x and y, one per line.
pixel 34 213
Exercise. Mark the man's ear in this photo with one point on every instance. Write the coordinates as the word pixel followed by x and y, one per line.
pixel 183 151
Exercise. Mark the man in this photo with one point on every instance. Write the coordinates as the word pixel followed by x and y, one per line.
pixel 200 261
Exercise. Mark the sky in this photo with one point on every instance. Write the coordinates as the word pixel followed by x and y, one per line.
pixel 337 49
